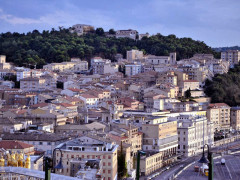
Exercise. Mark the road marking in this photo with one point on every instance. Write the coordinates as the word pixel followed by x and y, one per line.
pixel 228 171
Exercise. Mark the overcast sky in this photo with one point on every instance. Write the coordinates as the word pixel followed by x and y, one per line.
pixel 216 22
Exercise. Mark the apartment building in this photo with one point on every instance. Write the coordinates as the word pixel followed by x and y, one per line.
pixel 90 101
pixel 134 54
pixel 133 69
pixel 81 29
pixel 168 77
pixel 219 114
pixel 232 56
pixel 97 65
pixel 72 66
pixel 89 147
pixel 235 118
pixel 191 130
pixel 32 84
pixel 161 140
pixel 157 60
pixel 132 34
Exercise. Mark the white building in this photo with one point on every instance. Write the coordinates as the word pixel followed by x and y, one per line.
pixel 133 69
pixel 89 100
pixel 26 72
pixel 126 34
pixel 97 65
pixel 191 130
pixel 81 29
pixel 232 56
pixel 157 60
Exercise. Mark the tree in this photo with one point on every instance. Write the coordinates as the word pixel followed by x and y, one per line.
pixel 122 165
pixel 188 93
pixel 100 31
pixel 111 31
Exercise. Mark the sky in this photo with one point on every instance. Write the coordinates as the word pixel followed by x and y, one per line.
pixel 216 22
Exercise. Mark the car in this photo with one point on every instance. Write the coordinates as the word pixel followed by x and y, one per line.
pixel 222 161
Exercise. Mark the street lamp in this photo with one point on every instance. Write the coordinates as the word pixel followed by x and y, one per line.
pixel 59 165
pixel 138 163
pixel 209 161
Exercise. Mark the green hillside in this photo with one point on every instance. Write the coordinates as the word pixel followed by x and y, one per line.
pixel 60 45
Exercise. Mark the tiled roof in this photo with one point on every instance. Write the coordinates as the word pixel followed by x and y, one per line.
pixel 12 144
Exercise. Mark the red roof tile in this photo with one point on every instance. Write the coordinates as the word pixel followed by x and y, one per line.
pixel 7 144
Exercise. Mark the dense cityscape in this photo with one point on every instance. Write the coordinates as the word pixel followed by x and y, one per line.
pixel 85 103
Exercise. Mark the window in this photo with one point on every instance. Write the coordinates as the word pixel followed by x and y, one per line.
pixel 49 143
pixel 40 143
pixel 109 171
pixel 109 157
pixel 183 146
pixel 104 171
pixel 103 157
pixel 109 164
pixel 104 164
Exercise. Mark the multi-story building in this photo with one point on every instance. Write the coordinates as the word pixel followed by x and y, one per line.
pixel 32 84
pixel 72 66
pixel 219 114
pixel 168 77
pixel 191 130
pixel 134 54
pixel 132 34
pixel 133 69
pixel 81 29
pixel 89 147
pixel 161 141
pixel 3 64
pixel 26 72
pixel 235 118
pixel 232 56
pixel 157 60
pixel 97 65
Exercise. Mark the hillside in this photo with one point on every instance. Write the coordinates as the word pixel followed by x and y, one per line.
pixel 225 87
pixel 60 45
pixel 220 49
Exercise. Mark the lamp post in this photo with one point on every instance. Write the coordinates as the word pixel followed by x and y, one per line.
pixel 209 161
pixel 59 165
pixel 139 153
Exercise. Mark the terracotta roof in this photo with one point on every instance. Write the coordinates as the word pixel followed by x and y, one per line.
pixel 8 144
pixel 218 105
pixel 88 96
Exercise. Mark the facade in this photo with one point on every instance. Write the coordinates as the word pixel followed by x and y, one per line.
pixel 81 29
pixel 235 118
pixel 219 114
pixel 232 56
pixel 134 54
pixel 157 60
pixel 90 147
pixel 191 130
pixel 97 65
pixel 32 84
pixel 132 34
pixel 133 69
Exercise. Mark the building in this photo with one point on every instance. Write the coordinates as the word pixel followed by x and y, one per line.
pixel 157 60
pixel 132 34
pixel 232 56
pixel 81 29
pixel 22 73
pixel 45 142
pixel 235 118
pixel 92 148
pixel 134 54
pixel 32 84
pixel 17 146
pixel 143 35
pixel 219 114
pixel 191 130
pixel 3 64
pixel 133 69
pixel 97 65
pixel 75 65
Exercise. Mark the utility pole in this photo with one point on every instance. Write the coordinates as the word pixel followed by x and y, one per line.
pixel 47 169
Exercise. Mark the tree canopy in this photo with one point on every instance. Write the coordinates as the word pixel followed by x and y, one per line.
pixel 225 87
pixel 60 45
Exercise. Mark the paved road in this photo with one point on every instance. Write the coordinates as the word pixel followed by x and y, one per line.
pixel 229 171
pixel 169 173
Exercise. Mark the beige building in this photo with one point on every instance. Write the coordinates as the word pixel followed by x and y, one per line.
pixel 126 34
pixel 72 66
pixel 90 147
pixel 81 29
pixel 32 84
pixel 134 54
pixel 235 118
pixel 232 56
pixel 168 77
pixel 157 60
pixel 219 114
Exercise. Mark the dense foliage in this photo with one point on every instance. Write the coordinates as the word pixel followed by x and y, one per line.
pixel 225 87
pixel 220 49
pixel 60 45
